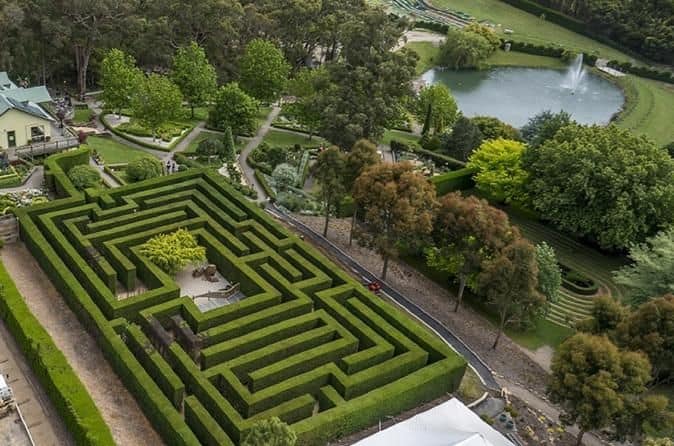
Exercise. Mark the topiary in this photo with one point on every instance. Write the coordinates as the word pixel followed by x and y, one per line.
pixel 84 176
pixel 143 169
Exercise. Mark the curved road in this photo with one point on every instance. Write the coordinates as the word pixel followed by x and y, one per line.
pixel 475 362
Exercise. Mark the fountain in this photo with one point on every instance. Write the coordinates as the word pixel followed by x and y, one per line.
pixel 575 75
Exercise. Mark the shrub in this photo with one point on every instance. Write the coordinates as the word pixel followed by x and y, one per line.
pixel 210 147
pixel 284 176
pixel 143 169
pixel 84 176
pixel 173 252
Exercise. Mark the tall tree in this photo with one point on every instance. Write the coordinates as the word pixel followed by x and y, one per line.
pixel 650 329
pixel 499 172
pixel 194 75
pixel 606 314
pixel 228 147
pixel 652 272
pixel 463 49
pixel 544 126
pixel 362 155
pixel 466 232
pixel 306 108
pixel 156 101
pixel 329 171
pixel 494 128
pixel 443 109
pixel 549 272
pixel 271 432
pixel 397 208
pixel 603 183
pixel 119 79
pixel 509 281
pixel 369 82
pixel 591 379
pixel 87 25
pixel 235 109
pixel 264 70
pixel 464 138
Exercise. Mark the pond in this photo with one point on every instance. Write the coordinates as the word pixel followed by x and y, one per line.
pixel 516 94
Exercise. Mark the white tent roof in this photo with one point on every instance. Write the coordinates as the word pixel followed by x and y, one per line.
pixel 449 424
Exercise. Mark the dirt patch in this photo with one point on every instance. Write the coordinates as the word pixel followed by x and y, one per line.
pixel 120 411
pixel 509 359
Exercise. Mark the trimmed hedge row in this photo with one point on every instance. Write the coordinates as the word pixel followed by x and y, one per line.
pixel 259 176
pixel 56 169
pixel 647 72
pixel 305 326
pixel 454 181
pixel 65 390
pixel 452 163
pixel 140 142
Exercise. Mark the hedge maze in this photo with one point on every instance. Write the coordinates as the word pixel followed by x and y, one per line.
pixel 308 344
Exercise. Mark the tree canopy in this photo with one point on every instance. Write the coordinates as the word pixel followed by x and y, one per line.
pixel 233 108
pixel 603 183
pixel 592 380
pixel 651 272
pixel 156 101
pixel 194 75
pixel 436 104
pixel 264 70
pixel 465 49
pixel 119 79
pixel 329 171
pixel 549 272
pixel 544 126
pixel 270 432
pixel 466 232
pixel 396 204
pixel 499 172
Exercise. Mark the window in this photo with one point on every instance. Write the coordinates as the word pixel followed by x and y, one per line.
pixel 37 133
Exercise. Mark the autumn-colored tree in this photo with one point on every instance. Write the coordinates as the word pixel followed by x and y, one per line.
pixel 328 171
pixel 509 281
pixel 467 231
pixel 397 206
pixel 650 329
pixel 363 154
pixel 592 379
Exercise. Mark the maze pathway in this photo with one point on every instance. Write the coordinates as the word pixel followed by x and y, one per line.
pixel 307 344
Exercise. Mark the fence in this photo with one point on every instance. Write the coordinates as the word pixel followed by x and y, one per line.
pixel 45 148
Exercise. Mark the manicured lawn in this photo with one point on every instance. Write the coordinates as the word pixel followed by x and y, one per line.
pixel 114 152
pixel 649 109
pixel 82 115
pixel 517 59
pixel 428 54
pixel 528 27
pixel 406 137
pixel 285 139
pixel 192 147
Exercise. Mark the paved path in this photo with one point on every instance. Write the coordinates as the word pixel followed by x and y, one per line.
pixel 41 418
pixel 107 179
pixel 184 144
pixel 248 172
pixel 120 411
pixel 476 363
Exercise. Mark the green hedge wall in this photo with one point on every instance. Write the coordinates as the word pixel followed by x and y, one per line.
pixel 65 390
pixel 454 181
pixel 306 332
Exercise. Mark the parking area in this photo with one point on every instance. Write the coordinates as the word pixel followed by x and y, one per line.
pixel 43 422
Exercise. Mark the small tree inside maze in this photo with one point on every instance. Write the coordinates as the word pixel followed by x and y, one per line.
pixel 307 345
pixel 173 252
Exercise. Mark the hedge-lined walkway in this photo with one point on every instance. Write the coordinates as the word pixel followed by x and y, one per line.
pixel 120 411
